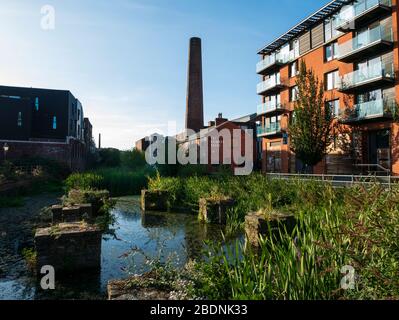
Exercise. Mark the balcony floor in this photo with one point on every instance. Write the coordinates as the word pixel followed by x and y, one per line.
pixel 271 68
pixel 273 89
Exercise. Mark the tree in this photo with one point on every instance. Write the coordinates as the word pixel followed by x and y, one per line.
pixel 310 128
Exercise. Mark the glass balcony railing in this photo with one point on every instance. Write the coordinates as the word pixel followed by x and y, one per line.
pixel 269 106
pixel 359 8
pixel 271 60
pixel 364 75
pixel 268 84
pixel 272 128
pixel 368 110
pixel 364 40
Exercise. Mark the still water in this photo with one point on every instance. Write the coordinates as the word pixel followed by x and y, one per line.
pixel 137 240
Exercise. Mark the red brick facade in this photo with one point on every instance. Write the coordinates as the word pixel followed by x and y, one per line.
pixel 276 154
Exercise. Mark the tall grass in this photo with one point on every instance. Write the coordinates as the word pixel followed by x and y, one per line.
pixel 356 227
pixel 118 181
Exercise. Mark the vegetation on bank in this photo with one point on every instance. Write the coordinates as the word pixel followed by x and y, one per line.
pixel 338 230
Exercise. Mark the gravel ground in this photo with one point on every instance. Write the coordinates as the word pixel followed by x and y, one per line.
pixel 17 227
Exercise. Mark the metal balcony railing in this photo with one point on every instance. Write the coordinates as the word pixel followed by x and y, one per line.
pixel 368 110
pixel 270 129
pixel 268 61
pixel 268 84
pixel 269 106
pixel 358 9
pixel 365 40
pixel 368 74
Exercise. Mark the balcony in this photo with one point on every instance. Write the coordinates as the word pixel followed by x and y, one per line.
pixel 368 111
pixel 270 130
pixel 373 41
pixel 270 107
pixel 361 12
pixel 270 85
pixel 271 63
pixel 371 77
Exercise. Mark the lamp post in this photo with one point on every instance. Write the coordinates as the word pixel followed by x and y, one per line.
pixel 5 148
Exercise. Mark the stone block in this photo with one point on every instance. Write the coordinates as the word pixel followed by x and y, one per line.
pixel 267 225
pixel 69 247
pixel 71 214
pixel 156 200
pixel 96 198
pixel 215 211
pixel 56 211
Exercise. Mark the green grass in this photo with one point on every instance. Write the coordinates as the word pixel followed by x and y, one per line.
pixel 356 227
pixel 119 181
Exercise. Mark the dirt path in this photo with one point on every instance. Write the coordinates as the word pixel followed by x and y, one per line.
pixel 16 232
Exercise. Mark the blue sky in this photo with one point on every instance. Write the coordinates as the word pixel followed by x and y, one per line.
pixel 126 60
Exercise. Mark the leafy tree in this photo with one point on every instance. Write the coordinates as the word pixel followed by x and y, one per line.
pixel 310 129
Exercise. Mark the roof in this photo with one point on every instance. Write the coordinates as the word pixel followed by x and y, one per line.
pixel 329 9
pixel 205 131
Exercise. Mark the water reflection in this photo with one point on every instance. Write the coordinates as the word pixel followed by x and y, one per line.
pixel 137 240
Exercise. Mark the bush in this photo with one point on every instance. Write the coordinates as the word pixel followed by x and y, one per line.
pixel 84 181
pixel 109 158
pixel 133 159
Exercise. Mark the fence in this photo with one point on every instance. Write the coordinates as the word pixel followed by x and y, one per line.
pixel 339 180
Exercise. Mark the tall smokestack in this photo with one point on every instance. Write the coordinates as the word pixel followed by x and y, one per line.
pixel 195 103
pixel 99 141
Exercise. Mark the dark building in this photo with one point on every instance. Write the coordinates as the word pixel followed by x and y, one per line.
pixel 195 104
pixel 46 123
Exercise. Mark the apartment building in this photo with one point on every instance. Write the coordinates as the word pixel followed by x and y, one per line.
pixel 353 48
pixel 44 123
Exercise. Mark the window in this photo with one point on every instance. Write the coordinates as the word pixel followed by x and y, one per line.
pixel 369 96
pixel 294 69
pixel 294 93
pixel 330 31
pixel 332 80
pixel 331 51
pixel 275 144
pixel 37 104
pixel 334 107
pixel 19 121
pixel 54 123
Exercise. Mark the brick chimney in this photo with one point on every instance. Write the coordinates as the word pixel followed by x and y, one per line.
pixel 195 104
pixel 219 120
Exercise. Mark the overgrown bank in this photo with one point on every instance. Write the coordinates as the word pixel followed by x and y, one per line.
pixel 344 245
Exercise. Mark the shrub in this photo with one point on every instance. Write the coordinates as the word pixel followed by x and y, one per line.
pixel 133 159
pixel 84 181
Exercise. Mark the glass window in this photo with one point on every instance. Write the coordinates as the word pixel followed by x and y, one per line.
pixel 54 123
pixel 294 94
pixel 294 69
pixel 37 104
pixel 330 31
pixel 332 80
pixel 19 121
pixel 334 107
pixel 327 30
pixel 331 51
